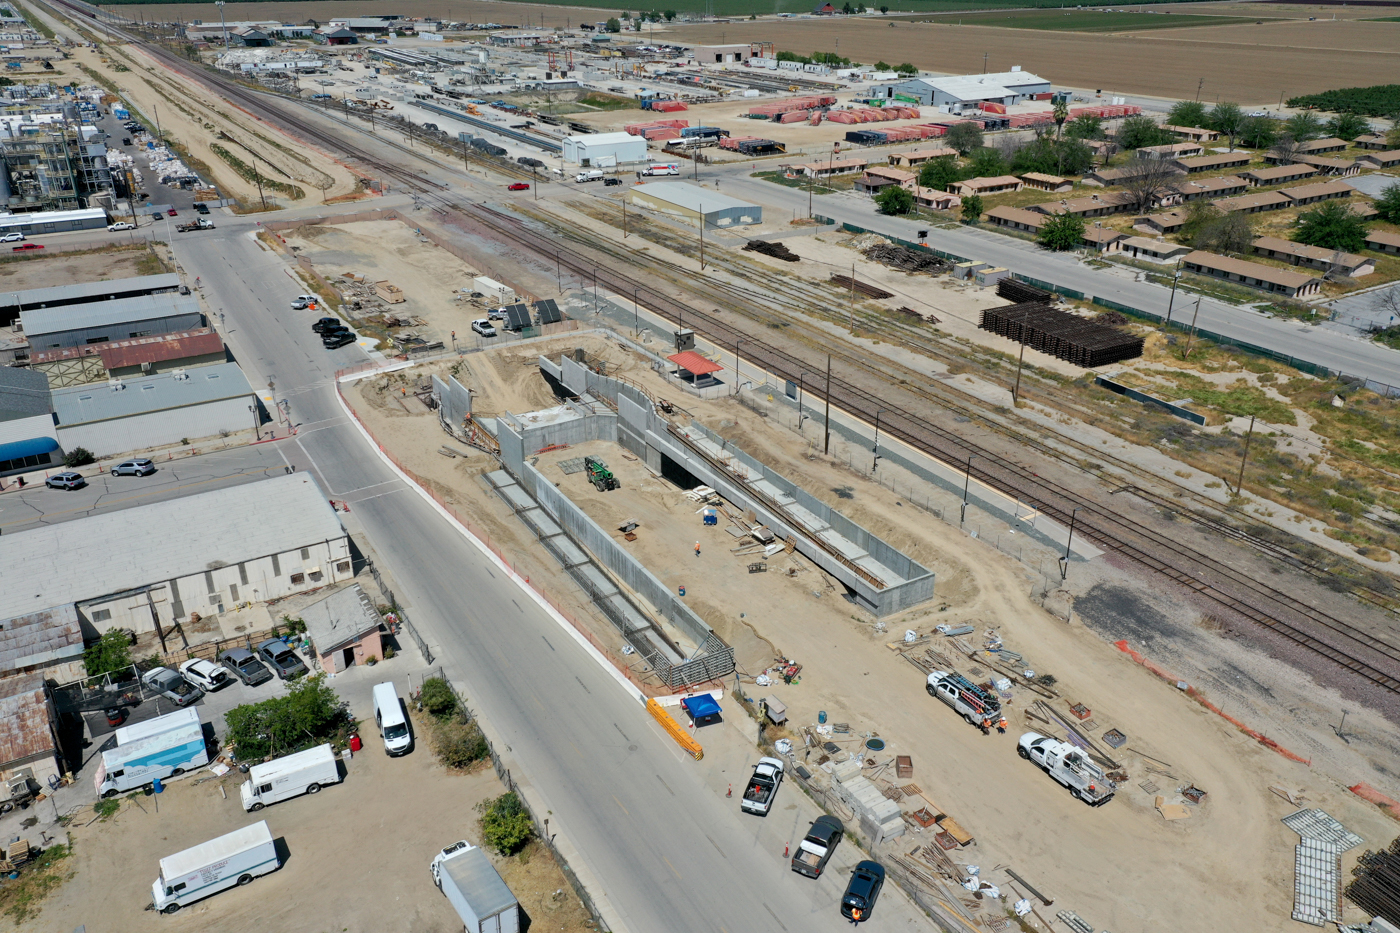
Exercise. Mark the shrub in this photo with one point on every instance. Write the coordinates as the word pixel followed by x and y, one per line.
pixel 78 456
pixel 459 744
pixel 437 697
pixel 309 714
pixel 505 826
pixel 972 208
pixel 109 654
pixel 894 200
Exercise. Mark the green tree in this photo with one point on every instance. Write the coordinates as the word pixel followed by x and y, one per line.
pixel 905 68
pixel 1388 204
pixel 437 697
pixel 1347 126
pixel 964 137
pixel 626 15
pixel 310 713
pixel 1226 117
pixel 109 654
pixel 505 824
pixel 1259 132
pixel 670 15
pixel 894 200
pixel 1085 127
pixel 1187 113
pixel 884 9
pixel 637 24
pixel 1141 130
pixel 1303 126
pixel 1059 113
pixel 882 66
pixel 940 172
pixel 613 25
pixel 1332 225
pixel 986 163
pixel 972 208
pixel 1061 232
pixel 1200 213
pixel 1231 232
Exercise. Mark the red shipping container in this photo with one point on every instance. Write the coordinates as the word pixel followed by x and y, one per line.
pixel 990 107
pixel 795 116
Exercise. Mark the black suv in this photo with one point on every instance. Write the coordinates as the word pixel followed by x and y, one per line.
pixel 861 891
pixel 201 207
pixel 328 324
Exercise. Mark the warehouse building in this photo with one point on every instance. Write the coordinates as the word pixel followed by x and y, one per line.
pixel 246 543
pixel 108 321
pixel 28 743
pixel 81 293
pixel 693 203
pixel 28 436
pixel 110 419
pixel 88 218
pixel 955 93
pixel 604 150
pixel 130 358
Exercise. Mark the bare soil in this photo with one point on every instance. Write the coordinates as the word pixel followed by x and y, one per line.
pixel 65 268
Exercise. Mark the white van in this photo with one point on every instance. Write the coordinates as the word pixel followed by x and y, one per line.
pixel 390 721
pixel 300 773
pixel 662 168
pixel 197 872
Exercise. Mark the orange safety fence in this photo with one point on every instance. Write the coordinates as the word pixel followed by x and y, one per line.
pixel 1366 792
pixel 1199 697
pixel 683 739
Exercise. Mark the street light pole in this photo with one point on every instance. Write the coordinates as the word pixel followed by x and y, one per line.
pixel 876 449
pixel 222 25
pixel 967 480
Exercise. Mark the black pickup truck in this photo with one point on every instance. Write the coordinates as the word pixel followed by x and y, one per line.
pixel 816 850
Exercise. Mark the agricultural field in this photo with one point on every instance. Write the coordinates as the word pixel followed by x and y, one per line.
pixel 1379 101
pixel 1090 20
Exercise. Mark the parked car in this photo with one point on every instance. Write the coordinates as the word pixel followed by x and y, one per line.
pixel 140 467
pixel 201 207
pixel 12 238
pixel 172 213
pixel 245 665
pixel 172 686
pixel 120 225
pixel 65 480
pixel 519 186
pixel 816 850
pixel 858 903
pixel 309 299
pixel 484 328
pixel 327 324
pixel 23 247
pixel 611 182
pixel 299 305
pixel 206 675
pixel 337 340
pixel 282 659
pixel 497 314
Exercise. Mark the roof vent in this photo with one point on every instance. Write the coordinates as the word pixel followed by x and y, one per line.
pixel 117 385
pixel 179 375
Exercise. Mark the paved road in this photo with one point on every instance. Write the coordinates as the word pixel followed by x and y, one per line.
pixel 1335 350
pixel 666 852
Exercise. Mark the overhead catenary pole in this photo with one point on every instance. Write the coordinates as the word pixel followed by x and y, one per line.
pixel 1239 480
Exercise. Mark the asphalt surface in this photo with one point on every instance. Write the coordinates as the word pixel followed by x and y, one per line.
pixel 665 852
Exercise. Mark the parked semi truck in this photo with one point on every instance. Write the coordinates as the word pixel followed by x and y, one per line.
pixel 290 776
pixel 159 748
pixel 475 890
pixel 762 787
pixel 210 867
pixel 1068 765
pixel 975 704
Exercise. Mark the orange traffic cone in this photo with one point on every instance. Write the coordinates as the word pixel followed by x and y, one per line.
pixel 785 849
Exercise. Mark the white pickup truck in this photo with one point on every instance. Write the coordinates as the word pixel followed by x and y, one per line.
pixel 762 788
pixel 975 704
pixel 1068 765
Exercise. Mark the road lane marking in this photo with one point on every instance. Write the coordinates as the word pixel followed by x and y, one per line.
pixel 774 916
pixel 546 641
pixel 673 869
pixel 625 810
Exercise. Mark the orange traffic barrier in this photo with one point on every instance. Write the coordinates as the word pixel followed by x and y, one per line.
pixel 692 747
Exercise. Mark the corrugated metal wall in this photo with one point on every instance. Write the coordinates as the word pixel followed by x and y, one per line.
pixel 156 429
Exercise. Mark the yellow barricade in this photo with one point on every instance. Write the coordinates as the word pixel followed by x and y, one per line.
pixel 682 737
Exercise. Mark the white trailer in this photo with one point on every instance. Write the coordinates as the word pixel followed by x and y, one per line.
pixel 290 776
pixel 153 750
pixel 465 875
pixel 210 867
pixel 495 292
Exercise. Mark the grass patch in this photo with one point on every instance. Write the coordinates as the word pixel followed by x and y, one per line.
pixel 1238 400
pixel 22 899
pixel 779 178
pixel 1090 20
pixel 106 809
pixel 607 102
pixel 253 176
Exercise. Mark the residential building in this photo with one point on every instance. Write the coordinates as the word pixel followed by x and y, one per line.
pixel 1278 174
pixel 246 543
pixel 1161 224
pixel 695 204
pixel 879 177
pixel 1363 209
pixel 1051 183
pixel 1311 194
pixel 1103 240
pixel 133 357
pixel 185 406
pixel 919 156
pixel 1341 168
pixel 1375 141
pixel 1095 205
pixel 1252 274
pixel 936 200
pixel 1220 186
pixel 106 321
pixel 28 435
pixel 954 93
pixel 1154 250
pixel 1193 133
pixel 1017 218
pixel 1213 163
pixel 1386 159
pixel 1383 242
pixel 28 741
pixel 831 167
pixel 79 293
pixel 1318 146
pixel 1314 257
pixel 1105 177
pixel 985 186
pixel 1171 151
pixel 343 629
pixel 1255 203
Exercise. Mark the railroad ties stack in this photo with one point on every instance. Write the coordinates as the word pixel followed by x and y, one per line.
pixel 776 250
pixel 1069 337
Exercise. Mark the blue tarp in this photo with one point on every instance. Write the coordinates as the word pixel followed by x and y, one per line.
pixel 700 707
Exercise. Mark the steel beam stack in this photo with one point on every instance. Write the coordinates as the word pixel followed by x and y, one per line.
pixel 1376 885
pixel 1067 336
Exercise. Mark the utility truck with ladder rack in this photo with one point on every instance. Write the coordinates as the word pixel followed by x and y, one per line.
pixel 975 704
pixel 1069 765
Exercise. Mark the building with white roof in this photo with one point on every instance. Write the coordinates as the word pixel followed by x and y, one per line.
pixel 150 566
pixel 681 199
pixel 953 93
pixel 597 150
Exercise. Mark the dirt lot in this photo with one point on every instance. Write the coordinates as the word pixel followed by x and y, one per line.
pixel 64 268
pixel 385 821
pixel 479 11
pixel 1239 62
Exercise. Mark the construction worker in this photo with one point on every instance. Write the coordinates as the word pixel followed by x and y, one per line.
pixel 697 548
pixel 1001 726
pixel 986 725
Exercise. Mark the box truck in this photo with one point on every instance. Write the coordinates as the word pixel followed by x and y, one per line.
pixel 160 748
pixel 290 776
pixel 210 867
pixel 465 875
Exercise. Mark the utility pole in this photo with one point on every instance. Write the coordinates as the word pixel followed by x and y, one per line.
pixel 967 480
pixel 984 61
pixel 826 445
pixel 1175 278
pixel 558 273
pixel 1200 84
pixel 220 5
pixel 851 308
pixel 1192 336
pixel 702 238
pixel 1239 480
pixel 1064 561
pixel 1015 391
pixel 624 217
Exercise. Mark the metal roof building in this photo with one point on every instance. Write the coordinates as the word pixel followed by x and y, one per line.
pixel 254 541
pixel 87 218
pixel 954 92
pixel 28 436
pixel 41 639
pixel 26 729
pixel 105 321
pixel 11 303
pixel 691 202
pixel 152 411
pixel 598 150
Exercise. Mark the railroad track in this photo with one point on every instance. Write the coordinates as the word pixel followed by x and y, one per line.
pixel 1369 657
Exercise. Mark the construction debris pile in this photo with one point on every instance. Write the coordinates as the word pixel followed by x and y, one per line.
pixel 905 259
pixel 168 169
pixel 776 250
pixel 1061 334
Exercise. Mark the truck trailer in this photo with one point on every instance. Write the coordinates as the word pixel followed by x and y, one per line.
pixel 160 748
pixel 290 776
pixel 471 884
pixel 210 867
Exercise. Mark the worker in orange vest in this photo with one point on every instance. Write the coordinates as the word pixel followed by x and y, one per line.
pixel 1001 726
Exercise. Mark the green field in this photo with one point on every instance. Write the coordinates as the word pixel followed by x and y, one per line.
pixel 743 8
pixel 1087 20
pixel 1383 19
